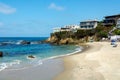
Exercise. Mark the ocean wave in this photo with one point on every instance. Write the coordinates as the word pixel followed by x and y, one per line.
pixel 7 43
pixel 7 65
pixel 19 42
pixel 35 60
pixel 79 49
pixel 3 66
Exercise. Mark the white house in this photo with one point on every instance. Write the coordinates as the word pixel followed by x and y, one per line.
pixel 56 30
pixel 89 24
pixel 67 28
pixel 118 23
pixel 72 26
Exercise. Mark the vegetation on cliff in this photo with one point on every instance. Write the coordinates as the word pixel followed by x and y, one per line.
pixel 117 32
pixel 81 35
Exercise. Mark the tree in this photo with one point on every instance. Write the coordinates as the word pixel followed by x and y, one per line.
pixel 102 34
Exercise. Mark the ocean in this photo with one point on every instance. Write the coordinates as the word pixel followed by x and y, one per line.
pixel 15 55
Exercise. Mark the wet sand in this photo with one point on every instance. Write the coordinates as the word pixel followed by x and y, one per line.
pixel 47 71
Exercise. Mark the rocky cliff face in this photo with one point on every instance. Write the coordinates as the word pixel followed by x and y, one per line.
pixel 56 40
pixel 70 38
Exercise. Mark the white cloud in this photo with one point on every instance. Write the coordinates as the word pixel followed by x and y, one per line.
pixel 56 7
pixel 6 9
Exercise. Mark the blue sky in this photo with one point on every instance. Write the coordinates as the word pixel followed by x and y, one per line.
pixel 37 18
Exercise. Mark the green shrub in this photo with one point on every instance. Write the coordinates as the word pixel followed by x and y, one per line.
pixel 102 34
pixel 117 32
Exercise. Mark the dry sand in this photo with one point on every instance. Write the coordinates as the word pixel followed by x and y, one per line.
pixel 100 62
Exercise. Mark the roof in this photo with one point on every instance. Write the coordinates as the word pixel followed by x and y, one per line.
pixel 90 21
pixel 118 15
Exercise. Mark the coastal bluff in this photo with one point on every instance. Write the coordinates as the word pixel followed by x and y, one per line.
pixel 55 40
pixel 66 37
pixel 80 35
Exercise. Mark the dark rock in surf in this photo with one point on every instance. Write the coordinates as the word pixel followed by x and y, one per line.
pixel 3 44
pixel 1 54
pixel 24 42
pixel 31 56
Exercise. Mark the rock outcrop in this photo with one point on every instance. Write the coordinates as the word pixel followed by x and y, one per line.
pixel 3 44
pixel 52 40
pixel 68 37
pixel 24 42
pixel 31 56
pixel 57 41
pixel 1 54
pixel 67 41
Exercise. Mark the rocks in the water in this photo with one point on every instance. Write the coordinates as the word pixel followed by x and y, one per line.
pixel 3 44
pixel 24 42
pixel 1 54
pixel 31 56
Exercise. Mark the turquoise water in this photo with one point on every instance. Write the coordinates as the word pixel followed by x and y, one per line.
pixel 16 55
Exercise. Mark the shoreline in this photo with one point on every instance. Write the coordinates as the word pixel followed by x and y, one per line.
pixel 36 72
pixel 52 64
pixel 69 54
pixel 98 61
pixel 40 61
pixel 95 63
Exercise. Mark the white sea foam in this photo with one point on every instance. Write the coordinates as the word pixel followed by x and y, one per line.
pixel 15 62
pixel 6 65
pixel 35 61
pixel 18 43
pixel 3 66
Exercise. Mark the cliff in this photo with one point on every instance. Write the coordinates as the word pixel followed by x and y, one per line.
pixel 80 36
pixel 71 37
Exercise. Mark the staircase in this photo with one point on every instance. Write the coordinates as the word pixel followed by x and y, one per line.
pixel 110 32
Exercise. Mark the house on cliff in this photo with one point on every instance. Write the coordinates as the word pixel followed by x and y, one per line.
pixel 111 20
pixel 66 28
pixel 89 24
pixel 118 23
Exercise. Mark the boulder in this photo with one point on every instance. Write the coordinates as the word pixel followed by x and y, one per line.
pixel 1 54
pixel 3 44
pixel 24 42
pixel 31 56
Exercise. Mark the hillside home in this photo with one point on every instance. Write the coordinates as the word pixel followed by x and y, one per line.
pixel 66 28
pixel 118 23
pixel 111 20
pixel 90 24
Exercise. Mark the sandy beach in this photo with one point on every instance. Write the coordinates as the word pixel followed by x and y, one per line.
pixel 47 71
pixel 99 62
